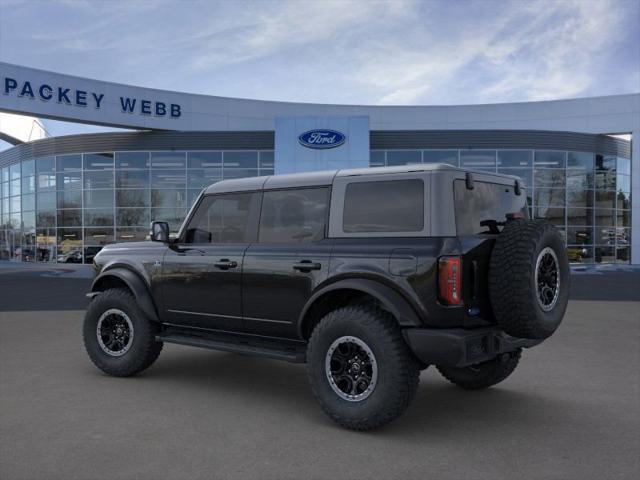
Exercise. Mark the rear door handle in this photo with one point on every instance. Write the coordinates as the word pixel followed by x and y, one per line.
pixel 225 264
pixel 306 266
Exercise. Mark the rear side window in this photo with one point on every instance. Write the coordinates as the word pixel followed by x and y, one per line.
pixel 224 219
pixel 384 206
pixel 487 201
pixel 293 216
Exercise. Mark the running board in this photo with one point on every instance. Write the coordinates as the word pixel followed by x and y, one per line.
pixel 290 351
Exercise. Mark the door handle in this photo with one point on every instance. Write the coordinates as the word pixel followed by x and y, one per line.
pixel 306 266
pixel 225 264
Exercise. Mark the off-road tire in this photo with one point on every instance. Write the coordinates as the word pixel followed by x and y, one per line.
pixel 512 286
pixel 398 370
pixel 144 349
pixel 484 374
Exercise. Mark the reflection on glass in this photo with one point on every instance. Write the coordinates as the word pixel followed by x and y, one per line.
pixel 478 159
pixel 69 162
pixel 132 160
pixel 132 179
pixel 583 160
pixel 133 217
pixel 604 217
pixel 440 156
pixel 97 161
pixel 515 158
pixel 376 158
pixel 204 159
pixel 549 178
pixel 240 159
pixel 168 159
pixel 403 157
pixel 549 159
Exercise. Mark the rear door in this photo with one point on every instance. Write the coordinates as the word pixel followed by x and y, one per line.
pixel 202 274
pixel 289 260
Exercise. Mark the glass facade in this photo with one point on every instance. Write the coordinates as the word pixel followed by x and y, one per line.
pixel 65 208
pixel 586 195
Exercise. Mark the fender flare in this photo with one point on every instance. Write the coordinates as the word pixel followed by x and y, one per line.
pixel 137 286
pixel 395 303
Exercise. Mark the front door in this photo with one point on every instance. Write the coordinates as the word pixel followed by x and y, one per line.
pixel 202 272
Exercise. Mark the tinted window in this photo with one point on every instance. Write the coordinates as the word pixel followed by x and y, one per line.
pixel 384 206
pixel 487 201
pixel 223 219
pixel 290 216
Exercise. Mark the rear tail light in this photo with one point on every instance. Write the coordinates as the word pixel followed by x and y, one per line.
pixel 450 280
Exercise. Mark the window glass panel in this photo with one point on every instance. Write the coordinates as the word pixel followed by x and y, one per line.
pixel 580 198
pixel 580 235
pixel 98 217
pixel 98 236
pixel 549 159
pixel 623 254
pixel 168 160
pixel 291 216
pixel 133 217
pixel 5 174
pixel 580 254
pixel 223 219
pixel 69 245
pixel 605 199
pixel 4 189
pixel 46 165
pixel 98 199
pixel 169 198
pixel 192 196
pixel 132 179
pixel 578 178
pixel 70 199
pixel 604 217
pixel 29 202
pixel 69 180
pixel 70 218
pixel 401 211
pixel 549 197
pixel 623 236
pixel 46 181
pixel 203 178
pixel 515 158
pixel 403 157
pixel 69 162
pixel 478 159
pixel 45 236
pixel 623 183
pixel 240 160
pixel 440 156
pixel 624 166
pixel 376 158
pixel 526 174
pixel 623 200
pixel 204 159
pixel 28 167
pixel 14 187
pixel 28 184
pixel 266 159
pixel 133 198
pixel 583 160
pixel 579 216
pixel 266 171
pixel 605 180
pixel 549 178
pixel 46 218
pixel 605 163
pixel 554 215
pixel 168 179
pixel 98 161
pixel 132 234
pixel 239 173
pixel 605 254
pixel 132 159
pixel 623 218
pixel 98 179
pixel 605 235
pixel 14 204
pixel 173 216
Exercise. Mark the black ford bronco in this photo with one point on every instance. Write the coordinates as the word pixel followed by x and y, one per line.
pixel 366 275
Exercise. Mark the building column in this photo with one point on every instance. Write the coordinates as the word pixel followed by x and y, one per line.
pixel 635 197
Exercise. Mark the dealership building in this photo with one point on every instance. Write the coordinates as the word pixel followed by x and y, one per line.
pixel 63 198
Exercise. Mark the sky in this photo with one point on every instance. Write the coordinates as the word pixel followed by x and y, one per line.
pixel 395 52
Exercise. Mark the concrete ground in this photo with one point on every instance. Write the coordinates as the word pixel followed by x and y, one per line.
pixel 570 411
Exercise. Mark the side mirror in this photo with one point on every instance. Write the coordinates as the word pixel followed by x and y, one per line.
pixel 159 232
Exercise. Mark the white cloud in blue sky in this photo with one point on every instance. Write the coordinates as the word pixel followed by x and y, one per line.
pixel 365 52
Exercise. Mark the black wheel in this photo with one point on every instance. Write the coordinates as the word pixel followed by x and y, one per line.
pixel 118 337
pixel 529 279
pixel 484 374
pixel 360 369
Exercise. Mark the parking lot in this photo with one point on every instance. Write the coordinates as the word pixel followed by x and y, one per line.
pixel 570 411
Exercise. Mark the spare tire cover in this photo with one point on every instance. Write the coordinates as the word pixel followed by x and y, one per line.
pixel 529 279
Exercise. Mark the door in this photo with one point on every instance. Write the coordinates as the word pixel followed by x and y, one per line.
pixel 289 260
pixel 202 272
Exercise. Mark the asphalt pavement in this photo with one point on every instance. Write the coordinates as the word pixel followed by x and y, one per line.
pixel 570 411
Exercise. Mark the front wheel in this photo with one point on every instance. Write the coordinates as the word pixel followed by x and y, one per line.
pixel 483 375
pixel 119 339
pixel 360 369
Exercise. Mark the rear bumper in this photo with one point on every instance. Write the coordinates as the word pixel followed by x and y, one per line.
pixel 457 347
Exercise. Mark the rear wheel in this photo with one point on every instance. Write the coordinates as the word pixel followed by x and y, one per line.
pixel 119 339
pixel 360 369
pixel 483 375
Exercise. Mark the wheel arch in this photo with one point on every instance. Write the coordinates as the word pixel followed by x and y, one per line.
pixel 122 277
pixel 352 290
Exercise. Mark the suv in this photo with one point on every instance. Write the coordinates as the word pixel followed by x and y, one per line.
pixel 366 275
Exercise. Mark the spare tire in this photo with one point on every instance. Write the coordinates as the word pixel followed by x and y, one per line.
pixel 529 279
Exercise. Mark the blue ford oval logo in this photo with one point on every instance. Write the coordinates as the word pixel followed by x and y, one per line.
pixel 322 138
